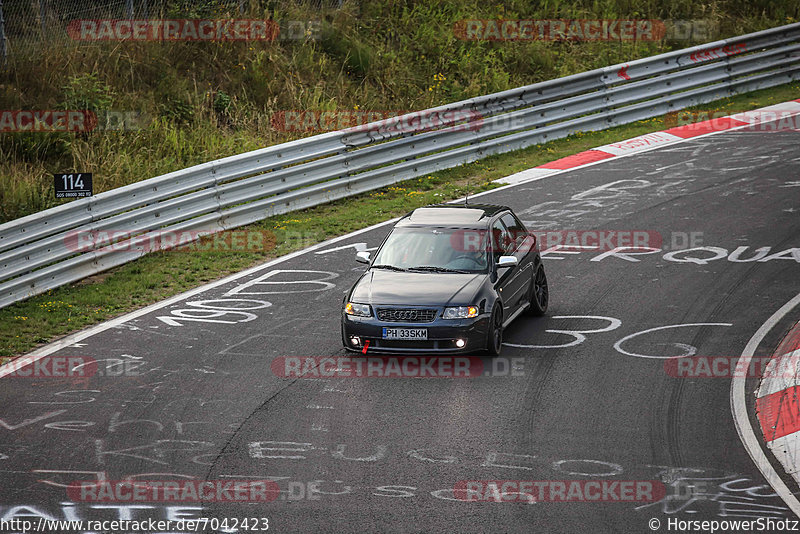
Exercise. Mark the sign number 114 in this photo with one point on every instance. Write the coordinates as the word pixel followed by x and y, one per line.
pixel 73 185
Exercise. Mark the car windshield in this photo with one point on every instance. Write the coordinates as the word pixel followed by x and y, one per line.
pixel 434 250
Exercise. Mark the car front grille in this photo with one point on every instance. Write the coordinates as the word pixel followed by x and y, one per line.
pixel 406 315
pixel 405 344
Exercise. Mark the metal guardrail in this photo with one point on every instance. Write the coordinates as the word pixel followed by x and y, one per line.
pixel 35 251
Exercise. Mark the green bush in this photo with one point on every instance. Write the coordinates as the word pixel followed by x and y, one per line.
pixel 222 102
pixel 87 91
pixel 177 110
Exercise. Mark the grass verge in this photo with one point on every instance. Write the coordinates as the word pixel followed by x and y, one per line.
pixel 41 319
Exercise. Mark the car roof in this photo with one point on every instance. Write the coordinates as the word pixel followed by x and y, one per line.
pixel 459 215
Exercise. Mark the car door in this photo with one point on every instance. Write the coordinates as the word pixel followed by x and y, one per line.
pixel 520 244
pixel 523 249
pixel 511 286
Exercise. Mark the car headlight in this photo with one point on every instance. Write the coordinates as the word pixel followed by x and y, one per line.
pixel 359 310
pixel 460 312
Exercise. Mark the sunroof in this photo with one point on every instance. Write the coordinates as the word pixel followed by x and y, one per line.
pixel 446 215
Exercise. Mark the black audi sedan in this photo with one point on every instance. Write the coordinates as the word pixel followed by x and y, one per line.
pixel 447 279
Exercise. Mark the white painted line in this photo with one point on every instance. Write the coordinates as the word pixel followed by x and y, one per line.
pixel 785 109
pixel 639 143
pixel 528 175
pixel 739 410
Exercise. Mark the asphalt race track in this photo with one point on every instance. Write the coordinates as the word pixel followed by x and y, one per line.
pixel 200 399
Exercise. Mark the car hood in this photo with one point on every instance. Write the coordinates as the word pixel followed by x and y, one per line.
pixel 378 286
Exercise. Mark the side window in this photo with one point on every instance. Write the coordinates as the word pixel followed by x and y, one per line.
pixel 501 240
pixel 516 229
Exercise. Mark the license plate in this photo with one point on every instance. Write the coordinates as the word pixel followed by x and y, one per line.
pixel 405 333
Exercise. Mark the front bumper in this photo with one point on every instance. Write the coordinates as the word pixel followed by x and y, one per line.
pixel 442 335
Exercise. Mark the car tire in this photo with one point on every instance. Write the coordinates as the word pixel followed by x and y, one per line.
pixel 494 335
pixel 539 296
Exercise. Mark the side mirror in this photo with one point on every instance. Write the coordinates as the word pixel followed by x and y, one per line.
pixel 507 261
pixel 363 257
